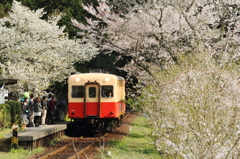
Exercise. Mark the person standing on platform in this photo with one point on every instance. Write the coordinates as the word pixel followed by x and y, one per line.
pixel 52 109
pixel 31 111
pixel 61 106
pixel 44 108
pixel 24 105
pixel 37 111
pixel 48 108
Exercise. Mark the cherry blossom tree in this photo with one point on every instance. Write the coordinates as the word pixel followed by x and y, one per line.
pixel 195 109
pixel 187 55
pixel 153 32
pixel 38 52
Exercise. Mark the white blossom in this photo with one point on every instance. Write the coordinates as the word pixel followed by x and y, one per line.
pixel 193 100
pixel 37 52
pixel 164 29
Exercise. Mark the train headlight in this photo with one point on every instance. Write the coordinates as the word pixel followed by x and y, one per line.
pixel 77 79
pixel 106 79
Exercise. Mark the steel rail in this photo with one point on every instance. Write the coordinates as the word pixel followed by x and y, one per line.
pixel 86 148
pixel 77 154
pixel 59 150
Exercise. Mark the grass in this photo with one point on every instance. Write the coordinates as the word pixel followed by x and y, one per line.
pixel 5 131
pixel 20 153
pixel 54 141
pixel 137 144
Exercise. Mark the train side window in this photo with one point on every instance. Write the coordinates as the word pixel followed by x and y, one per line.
pixel 77 91
pixel 107 91
pixel 92 92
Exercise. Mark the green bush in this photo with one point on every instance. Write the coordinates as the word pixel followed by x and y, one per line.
pixel 16 111
pixel 5 116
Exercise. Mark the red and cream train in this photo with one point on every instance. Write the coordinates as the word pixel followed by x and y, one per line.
pixel 96 101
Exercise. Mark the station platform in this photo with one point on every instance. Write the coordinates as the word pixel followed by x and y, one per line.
pixel 34 137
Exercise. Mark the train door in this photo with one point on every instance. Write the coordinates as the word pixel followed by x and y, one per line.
pixel 92 100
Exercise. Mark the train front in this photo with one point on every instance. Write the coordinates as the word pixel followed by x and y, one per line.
pixel 95 100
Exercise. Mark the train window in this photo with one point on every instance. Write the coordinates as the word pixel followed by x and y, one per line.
pixel 92 92
pixel 107 91
pixel 77 91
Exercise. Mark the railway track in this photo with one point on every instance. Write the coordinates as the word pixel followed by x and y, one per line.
pixel 77 146
pixel 73 149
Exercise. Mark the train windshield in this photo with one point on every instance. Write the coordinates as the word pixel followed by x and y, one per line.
pixel 77 91
pixel 107 91
pixel 92 92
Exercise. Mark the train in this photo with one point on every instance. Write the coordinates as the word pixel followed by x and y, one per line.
pixel 96 101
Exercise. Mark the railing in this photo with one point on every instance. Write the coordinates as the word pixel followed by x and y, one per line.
pixel 98 71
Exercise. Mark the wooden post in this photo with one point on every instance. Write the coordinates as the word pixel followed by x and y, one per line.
pixel 14 143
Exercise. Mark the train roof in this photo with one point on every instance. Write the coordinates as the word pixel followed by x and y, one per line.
pixel 97 75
